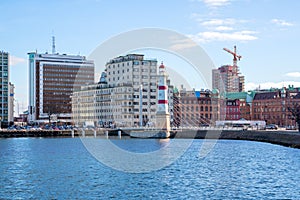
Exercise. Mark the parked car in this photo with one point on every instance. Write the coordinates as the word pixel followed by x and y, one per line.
pixel 272 126
pixel 290 128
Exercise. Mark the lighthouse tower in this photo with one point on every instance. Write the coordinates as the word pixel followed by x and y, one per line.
pixel 162 114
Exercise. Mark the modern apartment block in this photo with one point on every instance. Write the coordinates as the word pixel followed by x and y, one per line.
pixel 52 80
pixel 228 79
pixel 4 86
pixel 126 90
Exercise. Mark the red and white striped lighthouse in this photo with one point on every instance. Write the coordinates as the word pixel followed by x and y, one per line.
pixel 162 114
pixel 162 90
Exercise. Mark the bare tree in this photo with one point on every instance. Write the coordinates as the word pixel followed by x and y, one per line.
pixel 295 111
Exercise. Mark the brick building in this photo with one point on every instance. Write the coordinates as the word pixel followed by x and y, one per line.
pixel 272 106
pixel 245 104
pixel 196 108
pixel 233 111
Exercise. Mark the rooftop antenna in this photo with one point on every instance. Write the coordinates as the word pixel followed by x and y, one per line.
pixel 53 45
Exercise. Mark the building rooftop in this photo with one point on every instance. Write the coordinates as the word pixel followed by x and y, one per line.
pixel 236 95
pixel 297 96
pixel 59 57
pixel 267 95
pixel 129 57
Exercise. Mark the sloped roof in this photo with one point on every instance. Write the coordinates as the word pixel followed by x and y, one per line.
pixel 236 95
pixel 297 96
pixel 266 95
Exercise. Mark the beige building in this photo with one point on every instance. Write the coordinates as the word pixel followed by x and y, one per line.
pixel 228 79
pixel 126 90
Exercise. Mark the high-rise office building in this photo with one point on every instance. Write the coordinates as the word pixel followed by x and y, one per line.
pixel 52 79
pixel 4 82
pixel 228 79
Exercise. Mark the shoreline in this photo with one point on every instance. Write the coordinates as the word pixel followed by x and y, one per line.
pixel 284 138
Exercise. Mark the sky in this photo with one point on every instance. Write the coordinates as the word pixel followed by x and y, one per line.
pixel 266 33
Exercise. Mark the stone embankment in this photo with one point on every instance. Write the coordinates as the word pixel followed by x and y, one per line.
pixel 285 138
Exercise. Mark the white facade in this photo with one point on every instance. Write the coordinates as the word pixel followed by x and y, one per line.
pixel 162 91
pixel 4 86
pixel 117 100
pixel 11 99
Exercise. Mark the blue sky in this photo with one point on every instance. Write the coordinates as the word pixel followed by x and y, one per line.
pixel 266 32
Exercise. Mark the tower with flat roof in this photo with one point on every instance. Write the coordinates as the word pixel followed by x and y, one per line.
pixel 4 86
pixel 52 80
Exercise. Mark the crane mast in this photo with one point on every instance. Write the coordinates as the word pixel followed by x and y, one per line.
pixel 236 57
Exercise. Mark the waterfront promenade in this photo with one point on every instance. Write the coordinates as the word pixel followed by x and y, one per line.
pixel 281 137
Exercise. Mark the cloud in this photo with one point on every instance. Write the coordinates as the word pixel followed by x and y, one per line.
pixel 268 85
pixel 182 44
pixel 227 24
pixel 13 60
pixel 218 22
pixel 210 36
pixel 281 22
pixel 226 29
pixel 293 74
pixel 216 3
pixel 223 28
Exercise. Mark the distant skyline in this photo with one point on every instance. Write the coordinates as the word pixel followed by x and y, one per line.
pixel 266 32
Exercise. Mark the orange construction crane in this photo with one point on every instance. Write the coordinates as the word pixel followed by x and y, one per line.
pixel 236 57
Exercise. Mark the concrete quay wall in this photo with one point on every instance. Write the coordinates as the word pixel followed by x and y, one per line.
pixel 285 138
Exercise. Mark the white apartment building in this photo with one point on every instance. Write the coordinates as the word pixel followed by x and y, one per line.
pixel 11 99
pixel 126 89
